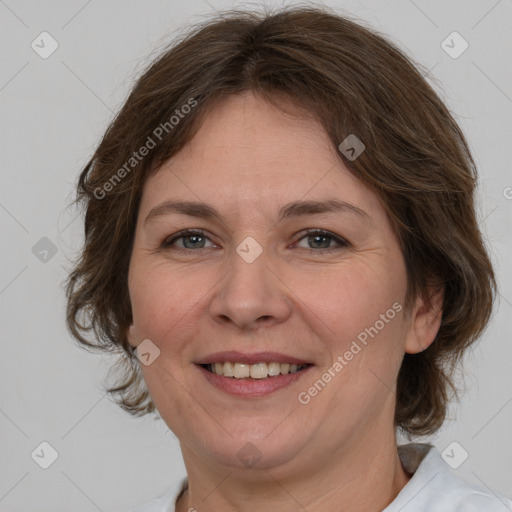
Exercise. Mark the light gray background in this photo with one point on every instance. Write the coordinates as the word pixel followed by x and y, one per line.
pixel 53 112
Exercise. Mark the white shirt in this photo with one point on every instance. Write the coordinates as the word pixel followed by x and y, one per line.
pixel 432 488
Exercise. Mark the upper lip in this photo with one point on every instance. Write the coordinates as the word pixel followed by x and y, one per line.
pixel 249 358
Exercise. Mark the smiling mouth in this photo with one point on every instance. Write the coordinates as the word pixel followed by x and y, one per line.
pixel 253 371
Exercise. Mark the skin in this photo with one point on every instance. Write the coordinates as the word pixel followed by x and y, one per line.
pixel 337 452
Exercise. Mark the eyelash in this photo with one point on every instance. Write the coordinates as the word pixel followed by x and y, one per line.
pixel 168 242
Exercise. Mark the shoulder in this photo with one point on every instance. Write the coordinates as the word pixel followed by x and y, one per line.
pixel 434 488
pixel 166 501
pixel 471 498
pixel 462 496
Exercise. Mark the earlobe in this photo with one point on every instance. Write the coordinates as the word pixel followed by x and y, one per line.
pixel 131 337
pixel 425 321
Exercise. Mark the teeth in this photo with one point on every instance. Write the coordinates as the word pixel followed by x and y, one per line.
pixel 274 369
pixel 241 370
pixel 258 371
pixel 225 369
pixel 255 371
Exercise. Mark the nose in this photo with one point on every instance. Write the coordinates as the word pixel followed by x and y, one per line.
pixel 251 294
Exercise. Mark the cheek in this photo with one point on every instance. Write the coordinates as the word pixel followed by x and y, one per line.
pixel 357 312
pixel 164 300
pixel 346 300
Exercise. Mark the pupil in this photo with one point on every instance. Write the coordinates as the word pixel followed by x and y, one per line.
pixel 317 237
pixel 192 237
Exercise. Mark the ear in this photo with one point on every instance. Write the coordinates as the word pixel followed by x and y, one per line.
pixel 425 321
pixel 132 337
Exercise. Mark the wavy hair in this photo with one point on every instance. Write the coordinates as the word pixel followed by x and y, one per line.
pixel 353 81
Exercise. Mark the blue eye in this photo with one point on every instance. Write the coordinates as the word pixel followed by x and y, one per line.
pixel 319 236
pixel 195 239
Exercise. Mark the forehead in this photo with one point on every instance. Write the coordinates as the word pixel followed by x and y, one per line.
pixel 249 154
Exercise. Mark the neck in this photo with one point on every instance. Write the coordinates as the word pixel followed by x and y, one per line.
pixel 366 476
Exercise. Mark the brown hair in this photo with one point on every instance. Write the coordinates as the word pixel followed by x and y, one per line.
pixel 353 81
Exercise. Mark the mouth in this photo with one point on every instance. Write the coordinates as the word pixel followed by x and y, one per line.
pixel 262 370
pixel 244 380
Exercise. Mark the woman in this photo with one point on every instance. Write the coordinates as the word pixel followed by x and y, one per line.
pixel 281 243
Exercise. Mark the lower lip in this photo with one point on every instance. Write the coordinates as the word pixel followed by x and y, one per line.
pixel 252 387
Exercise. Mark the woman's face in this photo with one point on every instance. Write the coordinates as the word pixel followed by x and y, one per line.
pixel 256 281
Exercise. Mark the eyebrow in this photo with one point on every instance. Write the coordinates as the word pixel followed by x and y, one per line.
pixel 294 209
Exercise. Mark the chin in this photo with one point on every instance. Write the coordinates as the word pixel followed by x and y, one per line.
pixel 253 449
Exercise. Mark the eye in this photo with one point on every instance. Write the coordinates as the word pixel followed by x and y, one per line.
pixel 192 239
pixel 322 239
pixel 196 239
